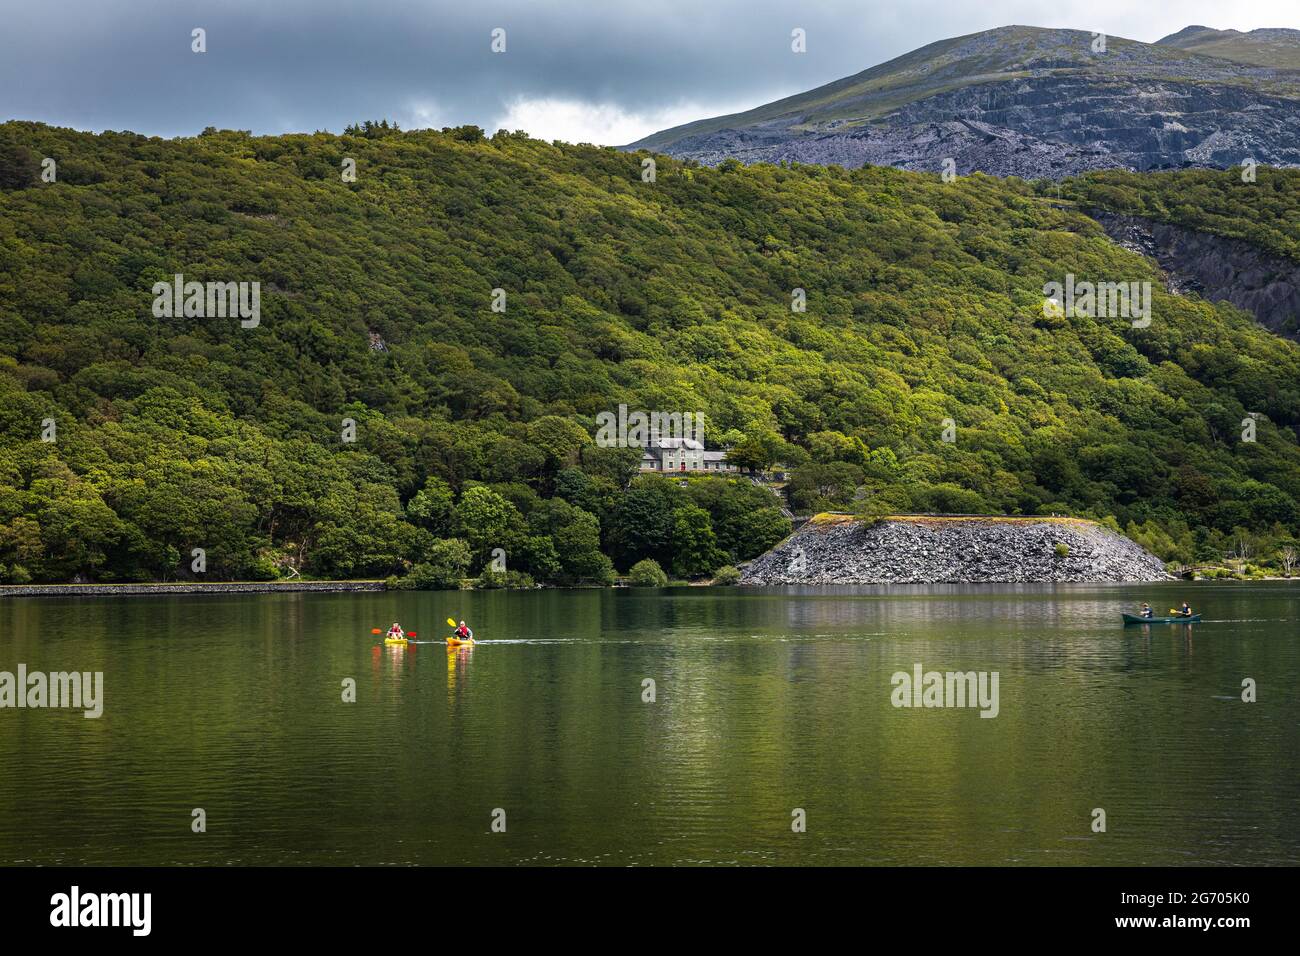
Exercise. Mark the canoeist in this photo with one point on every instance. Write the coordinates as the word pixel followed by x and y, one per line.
pixel 1146 610
pixel 1185 610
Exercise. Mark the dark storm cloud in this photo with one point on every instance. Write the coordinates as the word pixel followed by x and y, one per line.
pixel 280 65
pixel 274 66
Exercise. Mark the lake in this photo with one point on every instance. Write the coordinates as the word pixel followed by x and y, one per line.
pixel 766 702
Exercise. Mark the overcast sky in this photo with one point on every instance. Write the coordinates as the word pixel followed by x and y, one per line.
pixel 602 71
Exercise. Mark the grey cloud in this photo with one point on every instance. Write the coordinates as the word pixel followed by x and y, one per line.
pixel 292 65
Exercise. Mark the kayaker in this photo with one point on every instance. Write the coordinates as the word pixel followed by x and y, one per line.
pixel 1185 610
pixel 395 632
pixel 1146 610
pixel 464 633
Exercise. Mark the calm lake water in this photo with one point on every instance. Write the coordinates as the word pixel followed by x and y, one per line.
pixel 767 701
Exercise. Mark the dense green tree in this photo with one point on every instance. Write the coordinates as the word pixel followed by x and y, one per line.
pixel 643 523
pixel 726 576
pixel 19 166
pixel 746 518
pixel 831 446
pixel 822 487
pixel 487 521
pixel 559 439
pixel 646 573
pixel 694 547
pixel 576 537
pixel 618 466
pixel 433 505
pixel 360 536
pixel 446 563
pixel 925 307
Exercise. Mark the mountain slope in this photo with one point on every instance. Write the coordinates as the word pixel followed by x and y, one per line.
pixel 1020 101
pixel 1269 47
pixel 924 312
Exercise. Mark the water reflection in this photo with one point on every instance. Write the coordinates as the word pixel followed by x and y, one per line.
pixel 766 700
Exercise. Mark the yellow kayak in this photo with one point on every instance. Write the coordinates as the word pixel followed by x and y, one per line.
pixel 402 641
pixel 458 642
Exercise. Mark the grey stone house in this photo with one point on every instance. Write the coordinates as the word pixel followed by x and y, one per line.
pixel 667 455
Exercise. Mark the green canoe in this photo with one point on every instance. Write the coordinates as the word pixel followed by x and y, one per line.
pixel 1139 619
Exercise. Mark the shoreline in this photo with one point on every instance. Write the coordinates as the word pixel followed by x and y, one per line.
pixel 185 587
pixel 377 586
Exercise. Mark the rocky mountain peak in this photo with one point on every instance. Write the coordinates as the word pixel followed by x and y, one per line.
pixel 1033 102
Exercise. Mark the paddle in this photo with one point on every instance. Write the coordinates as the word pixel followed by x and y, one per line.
pixel 375 630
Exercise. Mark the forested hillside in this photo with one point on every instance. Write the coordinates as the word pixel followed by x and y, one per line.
pixel 474 428
pixel 1265 212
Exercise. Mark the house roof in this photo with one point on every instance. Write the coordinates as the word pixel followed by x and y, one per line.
pixel 669 444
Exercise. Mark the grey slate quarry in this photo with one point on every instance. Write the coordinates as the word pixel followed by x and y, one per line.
pixel 1022 102
pixel 1218 268
pixel 953 551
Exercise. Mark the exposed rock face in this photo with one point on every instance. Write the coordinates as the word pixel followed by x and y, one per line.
pixel 972 146
pixel 1040 127
pixel 953 551
pixel 1024 102
pixel 1217 268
